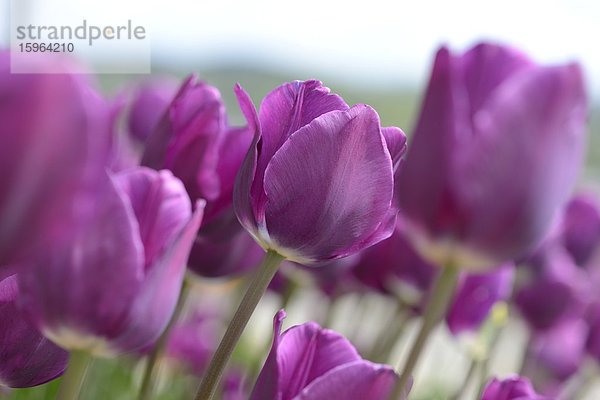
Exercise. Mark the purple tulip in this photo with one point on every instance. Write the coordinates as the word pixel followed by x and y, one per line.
pixel 317 182
pixel 224 249
pixel 196 143
pixel 513 388
pixel 150 102
pixel 593 339
pixel 494 155
pixel 555 355
pixel 308 362
pixel 554 272
pixel 110 281
pixel 392 260
pixel 54 135
pixel 395 260
pixel 581 228
pixel 192 341
pixel 476 295
pixel 26 357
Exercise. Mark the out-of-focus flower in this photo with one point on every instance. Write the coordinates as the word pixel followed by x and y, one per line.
pixel 476 295
pixel 392 260
pixel 513 388
pixel 387 265
pixel 224 249
pixel 581 228
pixel 54 135
pixel 26 357
pixel 192 341
pixel 495 153
pixel 317 182
pixel 555 355
pixel 593 339
pixel 110 281
pixel 194 141
pixel 149 103
pixel 308 362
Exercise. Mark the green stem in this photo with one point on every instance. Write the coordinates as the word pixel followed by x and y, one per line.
pixel 463 388
pixel 386 343
pixel 437 306
pixel 72 380
pixel 254 293
pixel 150 371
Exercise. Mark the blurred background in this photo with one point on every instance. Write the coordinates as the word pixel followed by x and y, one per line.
pixel 376 52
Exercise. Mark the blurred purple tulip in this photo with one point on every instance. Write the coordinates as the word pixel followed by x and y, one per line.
pixel 196 143
pixel 395 260
pixel 192 341
pixel 148 105
pixel 26 357
pixel 54 136
pixel 476 295
pixel 109 283
pixel 391 260
pixel 494 155
pixel 224 249
pixel 555 355
pixel 317 182
pixel 593 339
pixel 309 362
pixel 513 388
pixel 581 228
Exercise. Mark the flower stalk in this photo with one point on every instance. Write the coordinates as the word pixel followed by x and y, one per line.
pixel 72 381
pixel 436 308
pixel 254 293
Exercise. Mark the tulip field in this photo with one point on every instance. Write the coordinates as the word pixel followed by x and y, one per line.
pixel 238 235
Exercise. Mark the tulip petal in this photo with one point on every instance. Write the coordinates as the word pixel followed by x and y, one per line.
pixel 306 352
pixel 161 206
pixel 148 106
pixel 534 117
pixel 28 358
pixel 241 193
pixel 581 228
pixel 187 140
pixel 95 268
pixel 395 140
pixel 267 383
pixel 476 296
pixel 355 380
pixel 234 146
pixel 154 304
pixel 329 186
pixel 485 67
pixel 283 111
pixel 54 134
pixel 425 181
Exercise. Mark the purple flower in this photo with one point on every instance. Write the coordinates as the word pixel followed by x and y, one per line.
pixel 383 266
pixel 148 105
pixel 513 388
pixel 224 249
pixel 317 182
pixel 494 155
pixel 196 143
pixel 555 355
pixel 593 339
pixel 192 341
pixel 54 135
pixel 28 358
pixel 476 295
pixel 109 281
pixel 392 260
pixel 308 362
pixel 581 228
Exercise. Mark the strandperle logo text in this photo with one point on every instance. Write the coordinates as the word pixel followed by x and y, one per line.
pixel 85 31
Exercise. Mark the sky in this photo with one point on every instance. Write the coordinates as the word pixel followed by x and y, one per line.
pixel 374 42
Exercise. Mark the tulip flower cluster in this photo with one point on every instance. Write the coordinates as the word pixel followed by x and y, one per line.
pixel 127 226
